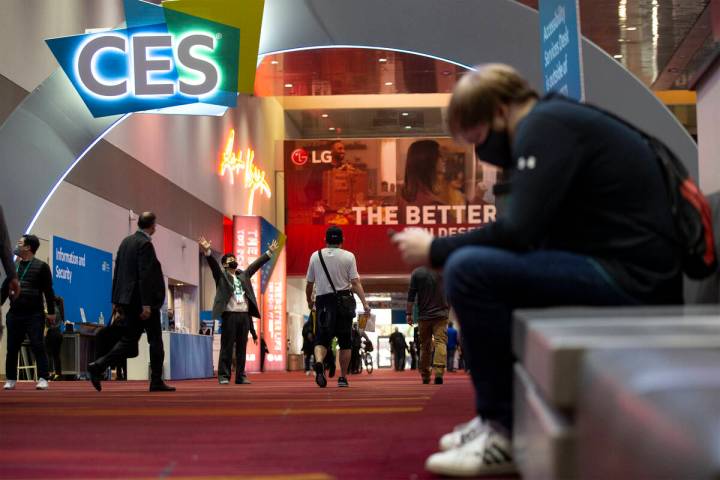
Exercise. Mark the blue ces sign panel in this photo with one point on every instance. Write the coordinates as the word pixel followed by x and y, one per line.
pixel 82 275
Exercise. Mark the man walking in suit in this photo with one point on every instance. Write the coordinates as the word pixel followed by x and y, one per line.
pixel 235 304
pixel 138 292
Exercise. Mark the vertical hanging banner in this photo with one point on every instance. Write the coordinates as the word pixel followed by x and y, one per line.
pixel 561 48
pixel 82 276
pixel 274 325
pixel 252 236
pixel 246 246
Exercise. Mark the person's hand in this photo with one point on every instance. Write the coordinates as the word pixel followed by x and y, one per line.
pixel 14 288
pixel 409 319
pixel 204 244
pixel 367 309
pixel 145 313
pixel 255 341
pixel 273 246
pixel 414 245
pixel 51 319
pixel 311 304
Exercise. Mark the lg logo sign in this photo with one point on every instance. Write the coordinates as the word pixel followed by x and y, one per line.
pixel 300 157
pixel 141 55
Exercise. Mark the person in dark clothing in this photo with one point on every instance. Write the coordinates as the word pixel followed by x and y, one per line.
pixel 356 341
pixel 398 346
pixel 452 342
pixel 138 292
pixel 27 311
pixel 413 356
pixel 263 351
pixel 235 304
pixel 54 339
pixel 587 221
pixel 308 345
pixel 426 293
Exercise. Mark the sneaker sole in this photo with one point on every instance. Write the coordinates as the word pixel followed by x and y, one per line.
pixel 487 470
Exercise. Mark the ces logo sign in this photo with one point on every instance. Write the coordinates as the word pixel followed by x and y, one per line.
pixel 164 58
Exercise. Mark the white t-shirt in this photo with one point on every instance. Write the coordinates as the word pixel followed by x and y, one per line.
pixel 341 266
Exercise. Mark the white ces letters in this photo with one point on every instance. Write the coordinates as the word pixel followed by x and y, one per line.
pixel 142 63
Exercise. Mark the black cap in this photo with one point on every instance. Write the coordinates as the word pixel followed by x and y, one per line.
pixel 333 235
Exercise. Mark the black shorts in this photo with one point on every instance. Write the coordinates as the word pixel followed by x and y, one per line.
pixel 330 324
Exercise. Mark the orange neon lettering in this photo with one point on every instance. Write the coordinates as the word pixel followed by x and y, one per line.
pixel 253 178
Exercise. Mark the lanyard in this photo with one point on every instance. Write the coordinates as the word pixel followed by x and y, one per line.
pixel 26 270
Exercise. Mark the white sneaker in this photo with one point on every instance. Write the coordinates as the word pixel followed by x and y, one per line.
pixel 462 434
pixel 489 453
pixel 42 384
pixel 224 381
pixel 10 385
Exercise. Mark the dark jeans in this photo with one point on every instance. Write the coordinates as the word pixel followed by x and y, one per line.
pixel 484 285
pixel 18 326
pixel 399 360
pixel 235 329
pixel 53 343
pixel 127 346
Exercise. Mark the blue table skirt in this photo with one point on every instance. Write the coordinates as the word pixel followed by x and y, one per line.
pixel 190 356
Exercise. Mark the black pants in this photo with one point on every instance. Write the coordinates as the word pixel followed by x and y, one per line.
pixel 53 342
pixel 400 360
pixel 18 326
pixel 127 347
pixel 235 329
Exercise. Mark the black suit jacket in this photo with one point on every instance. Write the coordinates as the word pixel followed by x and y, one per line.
pixel 138 278
pixel 224 285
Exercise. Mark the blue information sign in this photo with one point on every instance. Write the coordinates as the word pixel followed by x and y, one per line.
pixel 560 44
pixel 82 276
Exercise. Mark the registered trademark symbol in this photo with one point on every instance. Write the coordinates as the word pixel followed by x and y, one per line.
pixel 218 36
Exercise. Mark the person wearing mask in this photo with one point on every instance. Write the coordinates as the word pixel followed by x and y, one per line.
pixel 426 293
pixel 54 339
pixel 452 342
pixel 586 220
pixel 235 304
pixel 138 293
pixel 398 347
pixel 332 271
pixel 27 311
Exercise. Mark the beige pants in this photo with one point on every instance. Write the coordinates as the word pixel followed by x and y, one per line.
pixel 433 335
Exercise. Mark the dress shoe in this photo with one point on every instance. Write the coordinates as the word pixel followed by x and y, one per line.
pixel 243 380
pixel 161 387
pixel 95 372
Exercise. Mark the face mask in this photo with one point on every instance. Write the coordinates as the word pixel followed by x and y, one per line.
pixel 495 150
pixel 232 265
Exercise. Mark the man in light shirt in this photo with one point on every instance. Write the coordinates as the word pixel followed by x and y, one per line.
pixel 339 281
pixel 235 304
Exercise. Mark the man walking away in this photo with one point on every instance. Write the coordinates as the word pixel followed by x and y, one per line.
pixel 138 292
pixel 334 281
pixel 426 291
pixel 398 347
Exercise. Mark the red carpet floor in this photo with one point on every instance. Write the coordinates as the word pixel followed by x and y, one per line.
pixel 281 426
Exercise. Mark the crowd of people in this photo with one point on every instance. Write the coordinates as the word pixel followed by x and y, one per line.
pixel 587 221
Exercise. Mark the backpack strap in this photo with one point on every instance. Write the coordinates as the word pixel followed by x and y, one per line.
pixel 327 274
